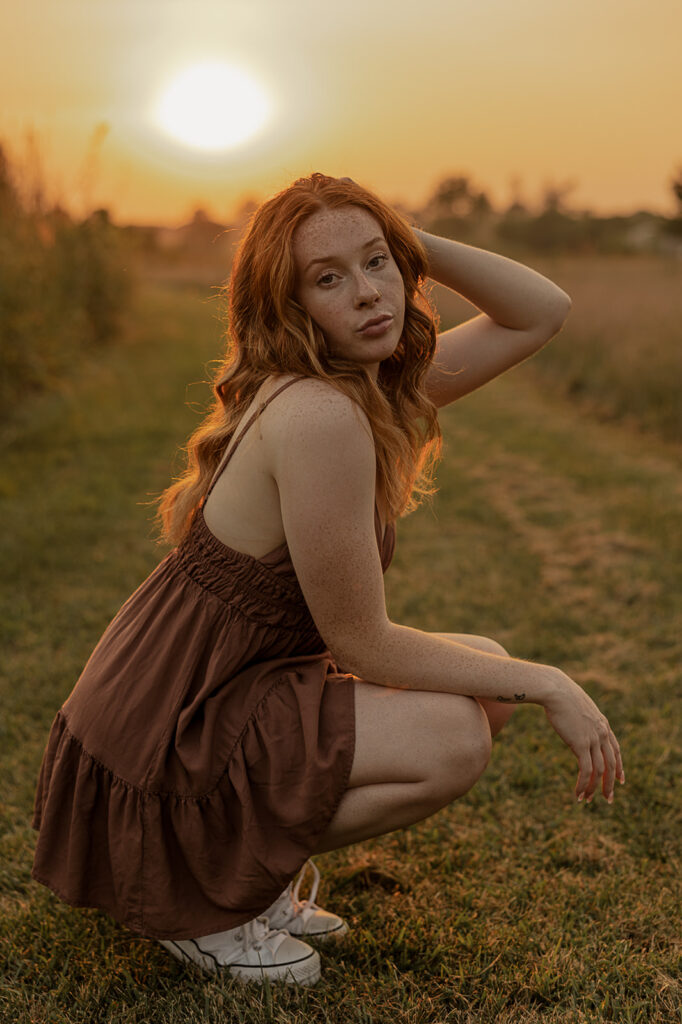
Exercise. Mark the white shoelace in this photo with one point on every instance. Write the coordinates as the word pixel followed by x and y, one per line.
pixel 300 905
pixel 254 934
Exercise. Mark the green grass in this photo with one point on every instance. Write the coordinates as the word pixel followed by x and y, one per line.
pixel 554 534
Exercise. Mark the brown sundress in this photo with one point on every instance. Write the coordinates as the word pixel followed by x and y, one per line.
pixel 204 748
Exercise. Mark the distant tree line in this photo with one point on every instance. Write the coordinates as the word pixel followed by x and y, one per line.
pixel 64 288
pixel 457 209
pixel 66 283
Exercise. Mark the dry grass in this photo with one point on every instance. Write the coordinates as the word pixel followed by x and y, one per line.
pixel 552 533
pixel 619 354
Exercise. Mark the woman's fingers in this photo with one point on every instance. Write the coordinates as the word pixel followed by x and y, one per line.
pixel 620 771
pixel 609 778
pixel 597 772
pixel 584 773
pixel 601 761
pixel 580 724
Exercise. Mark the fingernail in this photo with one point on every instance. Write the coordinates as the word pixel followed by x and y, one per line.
pixel 610 798
pixel 622 778
pixel 581 797
pixel 589 799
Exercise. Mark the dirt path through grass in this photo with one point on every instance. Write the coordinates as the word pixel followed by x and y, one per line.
pixel 558 536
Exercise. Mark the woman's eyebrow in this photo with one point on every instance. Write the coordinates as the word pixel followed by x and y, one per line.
pixel 328 259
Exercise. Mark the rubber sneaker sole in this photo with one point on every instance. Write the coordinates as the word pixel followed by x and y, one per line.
pixel 330 935
pixel 299 972
pixel 302 971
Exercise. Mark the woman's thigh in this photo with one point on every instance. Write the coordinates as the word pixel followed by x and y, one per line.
pixel 416 735
pixel 413 735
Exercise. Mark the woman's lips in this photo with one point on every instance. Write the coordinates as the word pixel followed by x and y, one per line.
pixel 376 330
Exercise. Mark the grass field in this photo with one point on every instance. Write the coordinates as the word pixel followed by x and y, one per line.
pixel 620 356
pixel 557 535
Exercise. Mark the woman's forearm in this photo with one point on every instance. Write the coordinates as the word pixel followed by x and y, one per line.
pixel 509 292
pixel 410 659
pixel 405 658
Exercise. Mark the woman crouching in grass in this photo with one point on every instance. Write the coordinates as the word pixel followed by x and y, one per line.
pixel 252 704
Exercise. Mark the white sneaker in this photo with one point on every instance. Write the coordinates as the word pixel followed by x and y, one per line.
pixel 252 952
pixel 304 917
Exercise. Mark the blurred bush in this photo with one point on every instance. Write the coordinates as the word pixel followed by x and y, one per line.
pixel 65 287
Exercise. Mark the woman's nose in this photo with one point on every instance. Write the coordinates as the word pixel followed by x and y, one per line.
pixel 365 289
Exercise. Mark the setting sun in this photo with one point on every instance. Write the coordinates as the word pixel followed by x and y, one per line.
pixel 212 106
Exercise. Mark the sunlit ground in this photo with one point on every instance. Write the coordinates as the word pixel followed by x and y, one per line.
pixel 553 533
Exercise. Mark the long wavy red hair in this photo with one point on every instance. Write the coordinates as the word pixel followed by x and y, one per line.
pixel 268 333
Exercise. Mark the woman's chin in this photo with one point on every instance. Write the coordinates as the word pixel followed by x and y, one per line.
pixel 377 351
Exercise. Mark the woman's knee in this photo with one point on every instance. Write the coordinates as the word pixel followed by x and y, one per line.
pixel 465 752
pixel 498 714
pixel 439 739
pixel 479 643
pixel 493 647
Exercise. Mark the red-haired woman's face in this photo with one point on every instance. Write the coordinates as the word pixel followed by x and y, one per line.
pixel 353 278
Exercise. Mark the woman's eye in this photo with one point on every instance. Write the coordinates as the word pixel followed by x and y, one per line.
pixel 327 279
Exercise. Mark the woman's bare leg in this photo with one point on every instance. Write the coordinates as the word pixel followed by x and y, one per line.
pixel 415 752
pixel 498 714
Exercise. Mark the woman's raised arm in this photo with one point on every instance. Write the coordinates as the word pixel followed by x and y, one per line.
pixel 521 311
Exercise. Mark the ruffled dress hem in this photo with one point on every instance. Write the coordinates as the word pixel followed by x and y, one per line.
pixel 132 912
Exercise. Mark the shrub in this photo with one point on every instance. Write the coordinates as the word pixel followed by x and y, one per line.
pixel 64 288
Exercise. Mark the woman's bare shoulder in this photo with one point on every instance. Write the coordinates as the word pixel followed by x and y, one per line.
pixel 308 389
pixel 312 410
pixel 323 460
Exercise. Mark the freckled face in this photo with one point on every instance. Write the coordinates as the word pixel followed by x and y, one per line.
pixel 354 279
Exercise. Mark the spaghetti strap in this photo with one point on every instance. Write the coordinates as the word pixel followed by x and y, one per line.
pixel 229 453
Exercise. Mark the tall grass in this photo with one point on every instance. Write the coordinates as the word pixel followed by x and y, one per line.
pixel 619 355
pixel 64 288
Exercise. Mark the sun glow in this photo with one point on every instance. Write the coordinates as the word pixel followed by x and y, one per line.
pixel 212 106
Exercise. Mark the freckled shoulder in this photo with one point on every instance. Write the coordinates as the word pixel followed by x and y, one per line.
pixel 312 409
pixel 323 461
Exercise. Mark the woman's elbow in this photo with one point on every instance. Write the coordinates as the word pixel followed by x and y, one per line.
pixel 348 657
pixel 354 652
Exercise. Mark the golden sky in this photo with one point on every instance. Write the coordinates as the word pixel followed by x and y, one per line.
pixel 394 94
